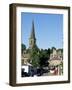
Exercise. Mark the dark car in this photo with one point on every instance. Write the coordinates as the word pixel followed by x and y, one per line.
pixel 40 72
pixel 24 74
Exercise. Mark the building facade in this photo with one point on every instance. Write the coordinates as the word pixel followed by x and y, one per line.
pixel 56 62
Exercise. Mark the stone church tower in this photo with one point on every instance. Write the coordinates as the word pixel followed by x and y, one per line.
pixel 32 39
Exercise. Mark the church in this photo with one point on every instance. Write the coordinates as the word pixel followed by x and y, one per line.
pixel 25 57
pixel 32 43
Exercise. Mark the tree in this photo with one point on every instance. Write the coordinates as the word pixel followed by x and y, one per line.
pixel 43 56
pixel 51 50
pixel 23 47
pixel 48 52
pixel 35 60
pixel 34 56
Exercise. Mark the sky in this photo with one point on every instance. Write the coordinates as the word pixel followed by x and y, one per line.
pixel 48 29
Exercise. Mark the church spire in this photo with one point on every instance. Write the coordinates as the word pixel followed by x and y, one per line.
pixel 32 39
pixel 33 31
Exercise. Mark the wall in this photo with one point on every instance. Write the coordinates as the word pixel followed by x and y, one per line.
pixel 4 45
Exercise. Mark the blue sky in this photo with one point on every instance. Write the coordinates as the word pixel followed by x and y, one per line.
pixel 48 29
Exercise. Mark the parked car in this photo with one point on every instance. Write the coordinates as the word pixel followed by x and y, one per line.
pixel 24 74
pixel 41 71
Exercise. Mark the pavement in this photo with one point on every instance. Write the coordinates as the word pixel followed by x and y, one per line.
pixel 48 74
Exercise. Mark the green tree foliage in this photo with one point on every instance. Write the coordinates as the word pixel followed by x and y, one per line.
pixel 51 50
pixel 23 47
pixel 34 56
pixel 39 58
pixel 48 52
pixel 35 59
pixel 44 56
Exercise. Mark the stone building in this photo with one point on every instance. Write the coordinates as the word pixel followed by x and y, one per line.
pixel 56 54
pixel 25 58
pixel 56 61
